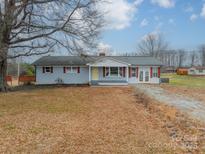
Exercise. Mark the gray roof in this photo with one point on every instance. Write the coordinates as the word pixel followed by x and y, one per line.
pixel 82 60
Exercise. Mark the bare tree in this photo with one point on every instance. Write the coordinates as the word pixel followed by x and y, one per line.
pixel 35 27
pixel 193 57
pixel 152 45
pixel 202 54
pixel 181 54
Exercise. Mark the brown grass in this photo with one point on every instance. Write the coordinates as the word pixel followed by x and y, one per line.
pixel 81 120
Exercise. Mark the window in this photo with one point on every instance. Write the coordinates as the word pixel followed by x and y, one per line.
pixel 146 76
pixel 200 70
pixel 74 69
pixel 155 72
pixel 122 71
pixel 67 69
pixel 48 69
pixel 141 76
pixel 71 70
pixel 133 72
pixel 114 71
pixel 107 71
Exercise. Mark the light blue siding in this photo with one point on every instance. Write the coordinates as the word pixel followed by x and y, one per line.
pixel 67 78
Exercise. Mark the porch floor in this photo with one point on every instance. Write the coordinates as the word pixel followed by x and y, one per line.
pixel 109 83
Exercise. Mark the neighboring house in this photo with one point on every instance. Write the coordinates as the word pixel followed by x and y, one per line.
pixel 97 70
pixel 169 69
pixel 196 70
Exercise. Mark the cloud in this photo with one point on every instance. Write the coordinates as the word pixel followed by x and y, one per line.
pixel 138 2
pixel 189 8
pixel 120 13
pixel 164 3
pixel 203 11
pixel 193 17
pixel 103 46
pixel 171 21
pixel 144 23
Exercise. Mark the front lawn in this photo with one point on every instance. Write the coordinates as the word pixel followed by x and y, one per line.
pixel 185 80
pixel 79 120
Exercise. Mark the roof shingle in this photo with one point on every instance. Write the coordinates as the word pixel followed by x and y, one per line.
pixel 78 60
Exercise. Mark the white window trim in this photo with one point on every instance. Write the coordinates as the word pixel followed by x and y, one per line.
pixel 155 72
pixel 112 76
pixel 135 72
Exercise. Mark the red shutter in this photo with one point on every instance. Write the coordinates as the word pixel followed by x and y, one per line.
pixel 150 72
pixel 103 71
pixel 43 69
pixel 51 69
pixel 78 69
pixel 159 72
pixel 64 69
pixel 136 72
pixel 123 71
pixel 130 72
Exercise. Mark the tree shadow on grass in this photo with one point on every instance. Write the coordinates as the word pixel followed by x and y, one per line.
pixel 34 87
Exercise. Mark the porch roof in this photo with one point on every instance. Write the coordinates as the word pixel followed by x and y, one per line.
pixel 108 62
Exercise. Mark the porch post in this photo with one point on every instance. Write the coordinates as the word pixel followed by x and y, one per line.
pixel 89 75
pixel 127 73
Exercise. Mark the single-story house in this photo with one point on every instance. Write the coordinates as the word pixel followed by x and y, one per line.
pixel 196 70
pixel 168 69
pixel 97 70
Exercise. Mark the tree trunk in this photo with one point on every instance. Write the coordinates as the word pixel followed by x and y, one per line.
pixel 3 73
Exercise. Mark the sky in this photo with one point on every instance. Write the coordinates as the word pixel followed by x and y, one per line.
pixel 181 22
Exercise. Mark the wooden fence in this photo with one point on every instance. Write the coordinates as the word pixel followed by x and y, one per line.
pixel 9 79
pixel 26 79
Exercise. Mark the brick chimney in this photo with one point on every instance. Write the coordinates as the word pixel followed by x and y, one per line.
pixel 102 54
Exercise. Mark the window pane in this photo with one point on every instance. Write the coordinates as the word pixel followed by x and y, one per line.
pixel 141 76
pixel 68 69
pixel 74 69
pixel 121 71
pixel 48 69
pixel 133 72
pixel 106 71
pixel 155 72
pixel 114 71
pixel 146 76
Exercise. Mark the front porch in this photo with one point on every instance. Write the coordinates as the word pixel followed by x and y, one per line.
pixel 108 72
pixel 108 75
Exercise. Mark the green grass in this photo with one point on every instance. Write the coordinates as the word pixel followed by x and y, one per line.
pixel 185 80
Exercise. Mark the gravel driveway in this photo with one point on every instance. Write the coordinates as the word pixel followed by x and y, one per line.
pixel 194 108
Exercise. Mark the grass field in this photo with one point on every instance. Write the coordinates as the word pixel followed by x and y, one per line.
pixel 88 120
pixel 78 120
pixel 185 80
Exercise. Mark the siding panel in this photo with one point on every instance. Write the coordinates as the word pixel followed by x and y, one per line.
pixel 58 73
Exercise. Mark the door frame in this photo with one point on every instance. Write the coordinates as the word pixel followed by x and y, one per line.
pixel 144 70
pixel 95 73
